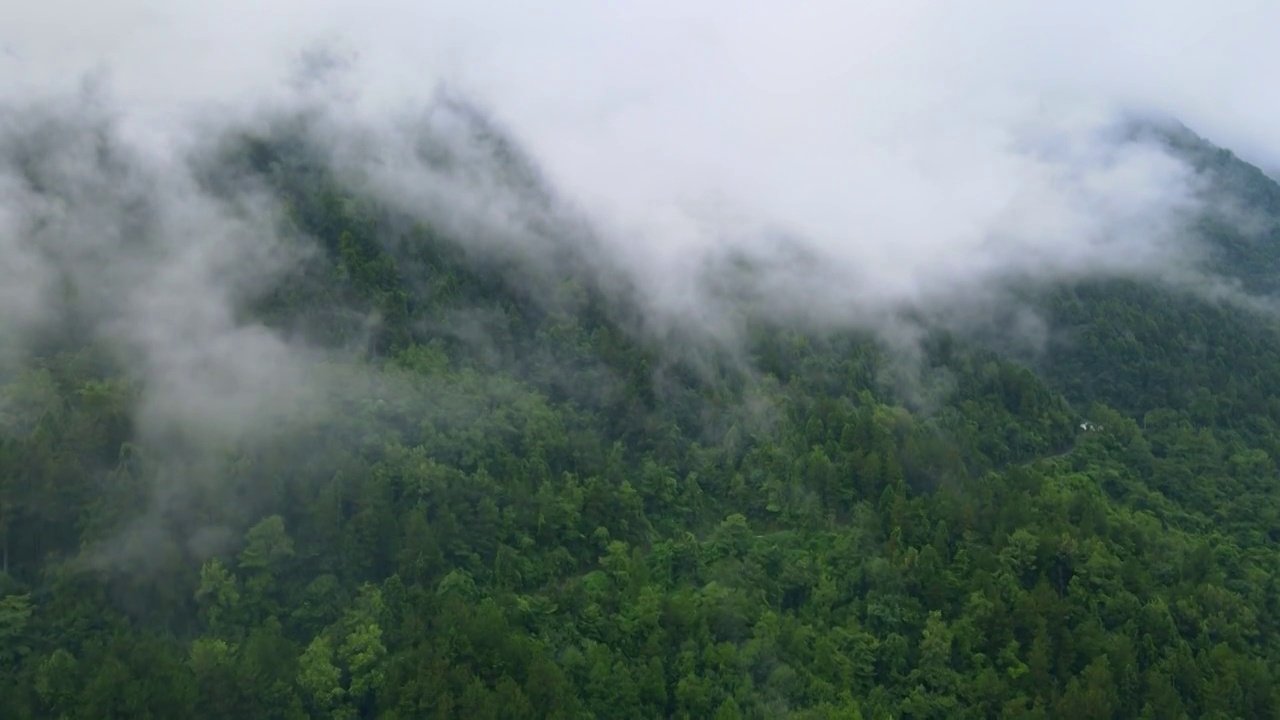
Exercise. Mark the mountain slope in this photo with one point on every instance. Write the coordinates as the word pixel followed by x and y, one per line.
pixel 512 501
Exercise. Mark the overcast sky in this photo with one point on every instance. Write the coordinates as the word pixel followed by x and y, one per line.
pixel 584 65
pixel 911 142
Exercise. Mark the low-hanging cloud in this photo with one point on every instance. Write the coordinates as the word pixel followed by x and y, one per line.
pixel 914 153
pixel 818 162
pixel 130 249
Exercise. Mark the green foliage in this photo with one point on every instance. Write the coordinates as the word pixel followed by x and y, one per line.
pixel 562 520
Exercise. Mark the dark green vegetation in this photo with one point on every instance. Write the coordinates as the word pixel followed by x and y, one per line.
pixel 568 520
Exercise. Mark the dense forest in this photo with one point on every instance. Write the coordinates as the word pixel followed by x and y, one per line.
pixel 518 502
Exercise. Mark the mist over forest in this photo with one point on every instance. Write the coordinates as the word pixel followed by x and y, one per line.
pixel 805 361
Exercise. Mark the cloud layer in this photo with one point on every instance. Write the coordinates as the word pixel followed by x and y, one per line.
pixel 913 150
pixel 873 156
pixel 830 163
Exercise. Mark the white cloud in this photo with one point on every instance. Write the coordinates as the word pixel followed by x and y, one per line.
pixel 915 147
pixel 870 156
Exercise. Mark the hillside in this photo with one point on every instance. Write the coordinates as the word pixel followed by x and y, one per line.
pixel 513 500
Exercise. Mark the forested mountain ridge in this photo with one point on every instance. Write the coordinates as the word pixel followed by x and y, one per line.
pixel 513 501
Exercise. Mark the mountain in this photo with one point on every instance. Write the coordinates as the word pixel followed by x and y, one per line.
pixel 503 493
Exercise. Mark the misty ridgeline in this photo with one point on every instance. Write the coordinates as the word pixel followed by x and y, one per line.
pixel 303 416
